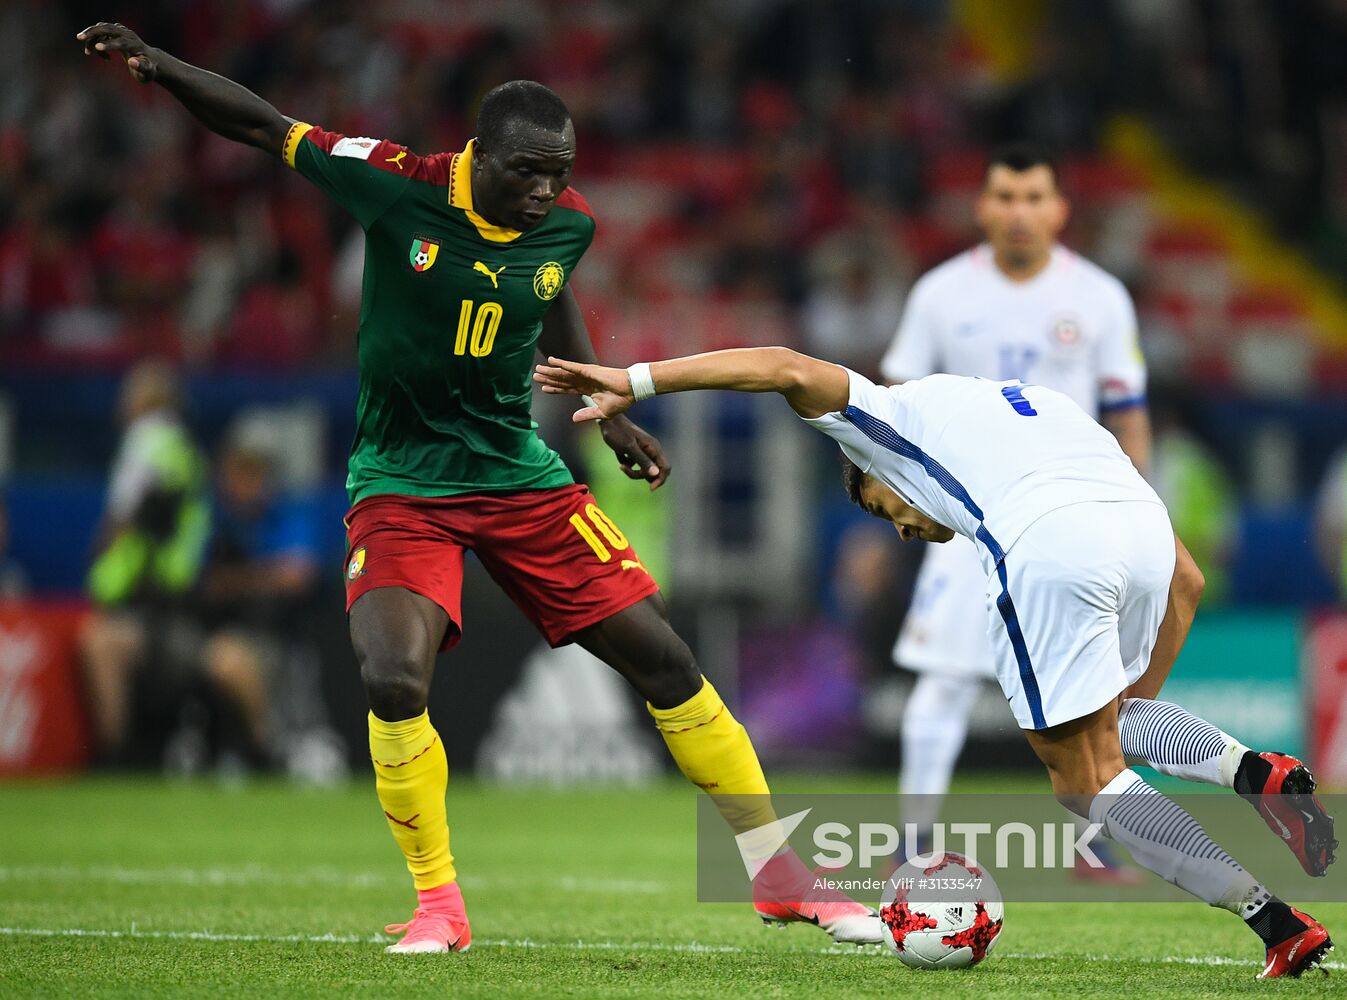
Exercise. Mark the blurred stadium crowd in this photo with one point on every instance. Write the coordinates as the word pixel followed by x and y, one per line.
pixel 763 172
pixel 766 171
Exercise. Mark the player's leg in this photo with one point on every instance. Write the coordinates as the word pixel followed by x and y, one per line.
pixel 1176 742
pixel 1280 787
pixel 1072 585
pixel 1084 760
pixel 395 544
pixel 709 745
pixel 396 634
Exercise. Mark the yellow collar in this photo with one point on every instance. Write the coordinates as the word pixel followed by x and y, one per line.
pixel 460 196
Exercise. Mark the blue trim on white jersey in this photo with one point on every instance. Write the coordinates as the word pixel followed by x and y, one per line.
pixel 886 437
pixel 1027 679
pixel 1122 404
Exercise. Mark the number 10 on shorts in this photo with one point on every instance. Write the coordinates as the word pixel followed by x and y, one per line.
pixel 598 524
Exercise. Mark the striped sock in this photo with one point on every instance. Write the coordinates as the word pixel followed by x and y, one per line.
pixel 1175 742
pixel 1163 837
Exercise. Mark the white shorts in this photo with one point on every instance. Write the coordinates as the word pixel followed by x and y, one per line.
pixel 945 628
pixel 1076 606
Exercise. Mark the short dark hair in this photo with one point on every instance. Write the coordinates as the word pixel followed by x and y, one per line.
pixel 519 102
pixel 1022 156
pixel 852 477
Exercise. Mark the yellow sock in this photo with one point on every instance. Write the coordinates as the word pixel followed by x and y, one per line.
pixel 715 753
pixel 411 775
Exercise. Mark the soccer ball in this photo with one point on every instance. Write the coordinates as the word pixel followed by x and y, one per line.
pixel 945 914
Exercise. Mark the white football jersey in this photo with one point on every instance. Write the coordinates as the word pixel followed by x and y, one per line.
pixel 1072 328
pixel 986 459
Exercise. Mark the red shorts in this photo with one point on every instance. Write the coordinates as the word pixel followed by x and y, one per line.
pixel 557 556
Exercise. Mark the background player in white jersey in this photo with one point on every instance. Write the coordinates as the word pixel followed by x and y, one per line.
pixel 1019 306
pixel 1090 597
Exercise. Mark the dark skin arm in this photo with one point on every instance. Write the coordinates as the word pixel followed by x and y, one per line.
pixel 223 106
pixel 564 335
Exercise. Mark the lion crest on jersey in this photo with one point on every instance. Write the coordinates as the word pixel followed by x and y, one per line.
pixel 548 279
pixel 423 252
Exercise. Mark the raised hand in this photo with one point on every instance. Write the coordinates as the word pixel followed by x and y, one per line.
pixel 610 388
pixel 104 38
pixel 639 453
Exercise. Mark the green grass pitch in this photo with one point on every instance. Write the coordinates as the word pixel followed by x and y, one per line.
pixel 120 888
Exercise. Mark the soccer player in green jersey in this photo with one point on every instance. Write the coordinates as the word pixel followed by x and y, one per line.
pixel 467 257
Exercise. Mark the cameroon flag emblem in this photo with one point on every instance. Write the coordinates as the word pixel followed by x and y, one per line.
pixel 356 567
pixel 423 253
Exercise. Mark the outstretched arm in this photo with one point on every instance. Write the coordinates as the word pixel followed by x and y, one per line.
pixel 812 387
pixel 564 335
pixel 223 106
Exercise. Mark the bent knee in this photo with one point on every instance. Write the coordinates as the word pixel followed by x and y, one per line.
pixel 1189 581
pixel 1075 787
pixel 397 686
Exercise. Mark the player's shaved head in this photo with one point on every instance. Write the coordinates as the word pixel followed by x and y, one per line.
pixel 523 154
pixel 519 106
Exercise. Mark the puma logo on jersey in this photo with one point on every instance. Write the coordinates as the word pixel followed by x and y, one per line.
pixel 634 564
pixel 481 268
pixel 397 160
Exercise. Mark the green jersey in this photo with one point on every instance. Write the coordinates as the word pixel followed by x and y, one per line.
pixel 450 314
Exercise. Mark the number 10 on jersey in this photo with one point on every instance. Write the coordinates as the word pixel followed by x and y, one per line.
pixel 477 326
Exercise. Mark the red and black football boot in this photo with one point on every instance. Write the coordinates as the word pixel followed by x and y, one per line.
pixel 1281 788
pixel 1300 952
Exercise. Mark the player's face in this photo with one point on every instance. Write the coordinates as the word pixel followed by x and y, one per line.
pixel 882 502
pixel 1021 213
pixel 517 186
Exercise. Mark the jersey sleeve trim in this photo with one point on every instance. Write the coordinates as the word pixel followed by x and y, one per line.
pixel 292 139
pixel 1131 402
pixel 381 154
pixel 571 198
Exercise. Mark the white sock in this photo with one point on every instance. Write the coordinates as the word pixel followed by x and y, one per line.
pixel 1161 836
pixel 935 723
pixel 1176 742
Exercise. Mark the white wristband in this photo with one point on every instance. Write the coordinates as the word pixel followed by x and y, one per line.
pixel 642 384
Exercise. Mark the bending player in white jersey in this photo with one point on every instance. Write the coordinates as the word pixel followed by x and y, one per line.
pixel 1019 306
pixel 1090 595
